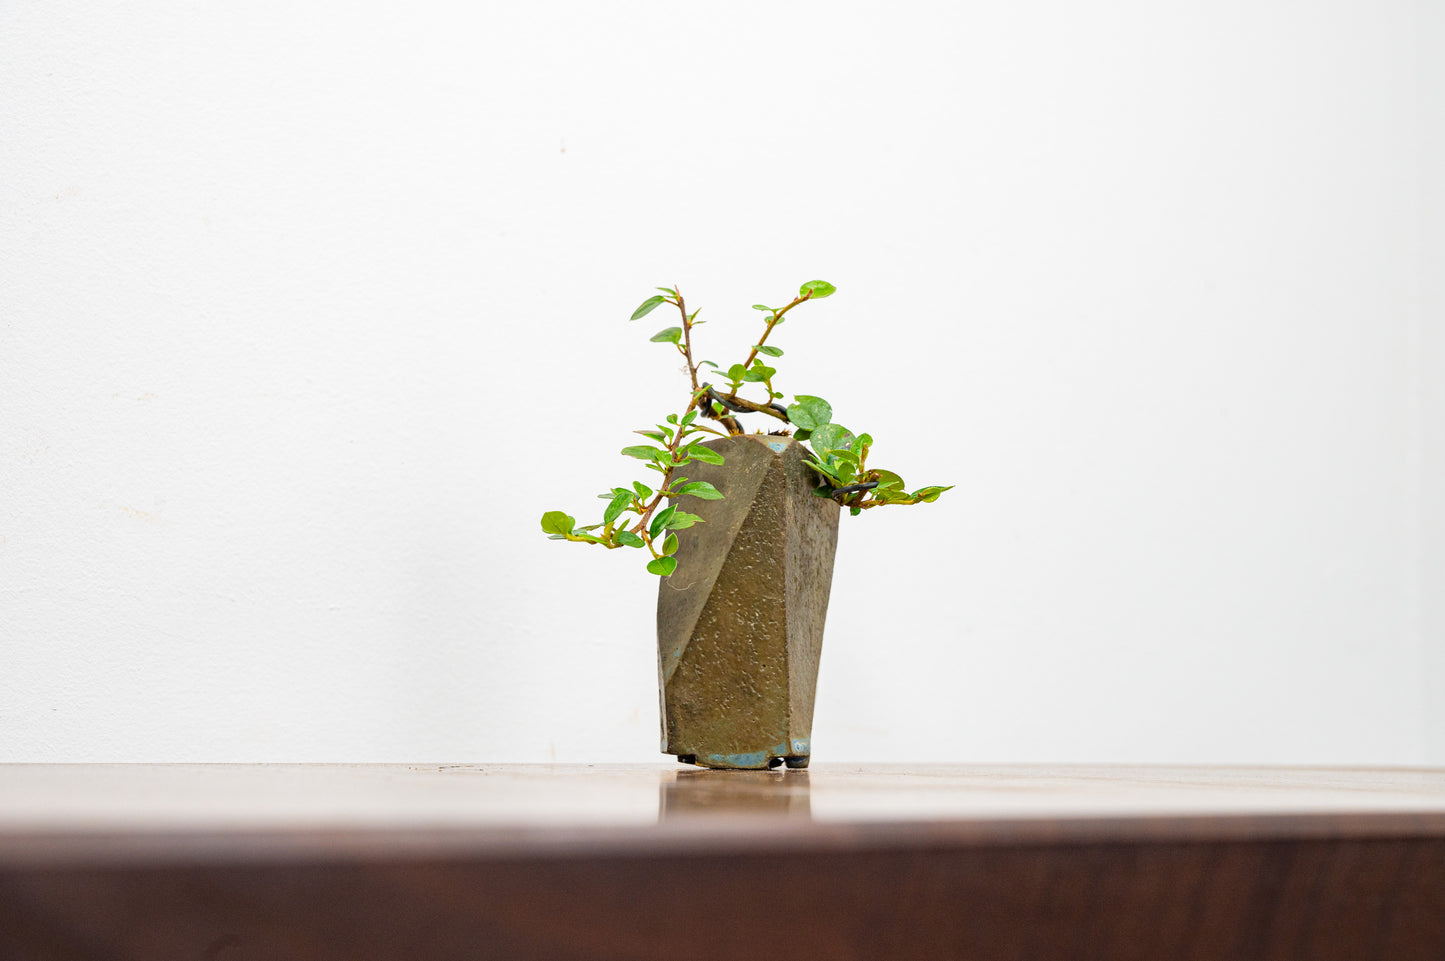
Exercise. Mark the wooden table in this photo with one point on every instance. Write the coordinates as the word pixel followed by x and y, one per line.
pixel 402 862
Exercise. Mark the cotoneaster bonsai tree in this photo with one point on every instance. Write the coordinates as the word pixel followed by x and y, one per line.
pixel 635 516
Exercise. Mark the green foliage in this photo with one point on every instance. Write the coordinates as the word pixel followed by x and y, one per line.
pixel 647 306
pixel 888 480
pixel 643 452
pixel 829 437
pixel 681 520
pixel 661 521
pixel 556 522
pixel 616 506
pixel 704 454
pixel 810 413
pixel 699 489
pixel 638 516
pixel 759 373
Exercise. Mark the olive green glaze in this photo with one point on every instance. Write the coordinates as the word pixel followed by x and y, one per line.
pixel 740 622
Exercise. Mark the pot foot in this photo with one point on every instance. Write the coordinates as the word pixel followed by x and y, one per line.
pixel 797 763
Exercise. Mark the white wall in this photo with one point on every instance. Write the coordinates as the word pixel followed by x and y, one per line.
pixel 1431 43
pixel 308 313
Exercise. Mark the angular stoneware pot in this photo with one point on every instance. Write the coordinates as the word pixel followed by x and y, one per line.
pixel 740 621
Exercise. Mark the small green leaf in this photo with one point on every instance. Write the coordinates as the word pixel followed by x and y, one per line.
pixel 710 364
pixel 669 546
pixel 855 511
pixel 672 418
pixel 667 335
pixel 930 494
pixel 647 306
pixel 737 372
pixel 618 504
pixel 843 471
pixel 629 539
pixel 802 433
pixel 704 454
pixel 666 290
pixel 887 479
pixel 659 521
pixel 759 373
pixel 865 439
pixel 652 435
pixel 830 437
pixel 761 307
pixel 642 452
pixel 828 470
pixel 768 349
pixel 643 491
pixel 662 566
pixel 700 489
pixel 810 412
pixel 689 417
pixel 681 520
pixel 557 522
pixel 818 288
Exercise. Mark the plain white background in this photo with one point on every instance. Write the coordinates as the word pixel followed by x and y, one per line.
pixel 308 312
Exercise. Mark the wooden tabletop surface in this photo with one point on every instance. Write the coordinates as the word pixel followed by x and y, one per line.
pixel 523 807
pixel 664 861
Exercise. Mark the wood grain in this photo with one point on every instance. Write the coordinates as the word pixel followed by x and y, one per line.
pixel 1355 869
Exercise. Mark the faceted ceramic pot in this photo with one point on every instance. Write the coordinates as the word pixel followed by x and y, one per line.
pixel 740 621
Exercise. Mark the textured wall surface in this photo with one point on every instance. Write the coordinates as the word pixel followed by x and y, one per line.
pixel 305 318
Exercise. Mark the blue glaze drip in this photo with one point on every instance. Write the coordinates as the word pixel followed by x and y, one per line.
pixel 750 760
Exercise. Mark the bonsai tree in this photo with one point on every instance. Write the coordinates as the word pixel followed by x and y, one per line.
pixel 635 516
